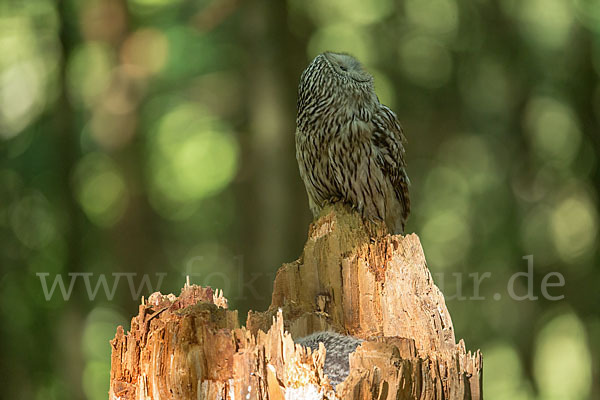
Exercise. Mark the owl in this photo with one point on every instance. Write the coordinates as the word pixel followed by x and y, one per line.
pixel 349 146
pixel 338 348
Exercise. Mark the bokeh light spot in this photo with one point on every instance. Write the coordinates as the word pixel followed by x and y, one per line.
pixel 95 345
pixel 146 50
pixel 95 379
pixel 446 238
pixel 33 221
pixel 20 96
pixel 425 61
pixel 574 224
pixel 446 189
pixel 475 160
pixel 553 130
pixel 89 72
pixel 503 378
pixel 562 364
pixel 193 156
pixel 100 189
pixel 25 67
pixel 434 16
pixel 111 130
pixel 545 22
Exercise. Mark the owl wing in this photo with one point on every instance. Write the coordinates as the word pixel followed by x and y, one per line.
pixel 388 138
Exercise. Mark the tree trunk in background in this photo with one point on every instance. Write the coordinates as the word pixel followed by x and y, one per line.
pixel 273 204
pixel 351 278
pixel 66 141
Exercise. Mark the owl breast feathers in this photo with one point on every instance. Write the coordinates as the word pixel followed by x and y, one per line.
pixel 349 146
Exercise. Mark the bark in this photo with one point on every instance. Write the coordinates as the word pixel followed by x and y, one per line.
pixel 351 278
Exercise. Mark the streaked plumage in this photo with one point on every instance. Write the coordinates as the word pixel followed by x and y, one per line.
pixel 349 145
pixel 338 348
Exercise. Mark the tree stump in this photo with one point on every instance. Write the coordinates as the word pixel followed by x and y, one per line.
pixel 352 278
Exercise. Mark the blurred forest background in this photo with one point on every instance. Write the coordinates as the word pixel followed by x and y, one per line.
pixel 157 137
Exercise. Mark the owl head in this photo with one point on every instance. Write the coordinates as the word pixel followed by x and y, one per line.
pixel 346 67
pixel 335 81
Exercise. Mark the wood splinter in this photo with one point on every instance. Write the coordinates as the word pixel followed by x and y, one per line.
pixel 376 289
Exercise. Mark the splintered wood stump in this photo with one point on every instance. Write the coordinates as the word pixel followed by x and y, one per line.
pixel 352 278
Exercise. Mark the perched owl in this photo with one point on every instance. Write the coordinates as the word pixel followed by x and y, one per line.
pixel 349 145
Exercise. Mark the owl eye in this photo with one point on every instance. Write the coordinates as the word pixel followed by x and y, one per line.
pixel 343 68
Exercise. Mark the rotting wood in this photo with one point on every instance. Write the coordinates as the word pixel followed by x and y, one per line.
pixel 351 278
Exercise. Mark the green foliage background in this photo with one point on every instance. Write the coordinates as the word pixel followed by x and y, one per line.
pixel 156 136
